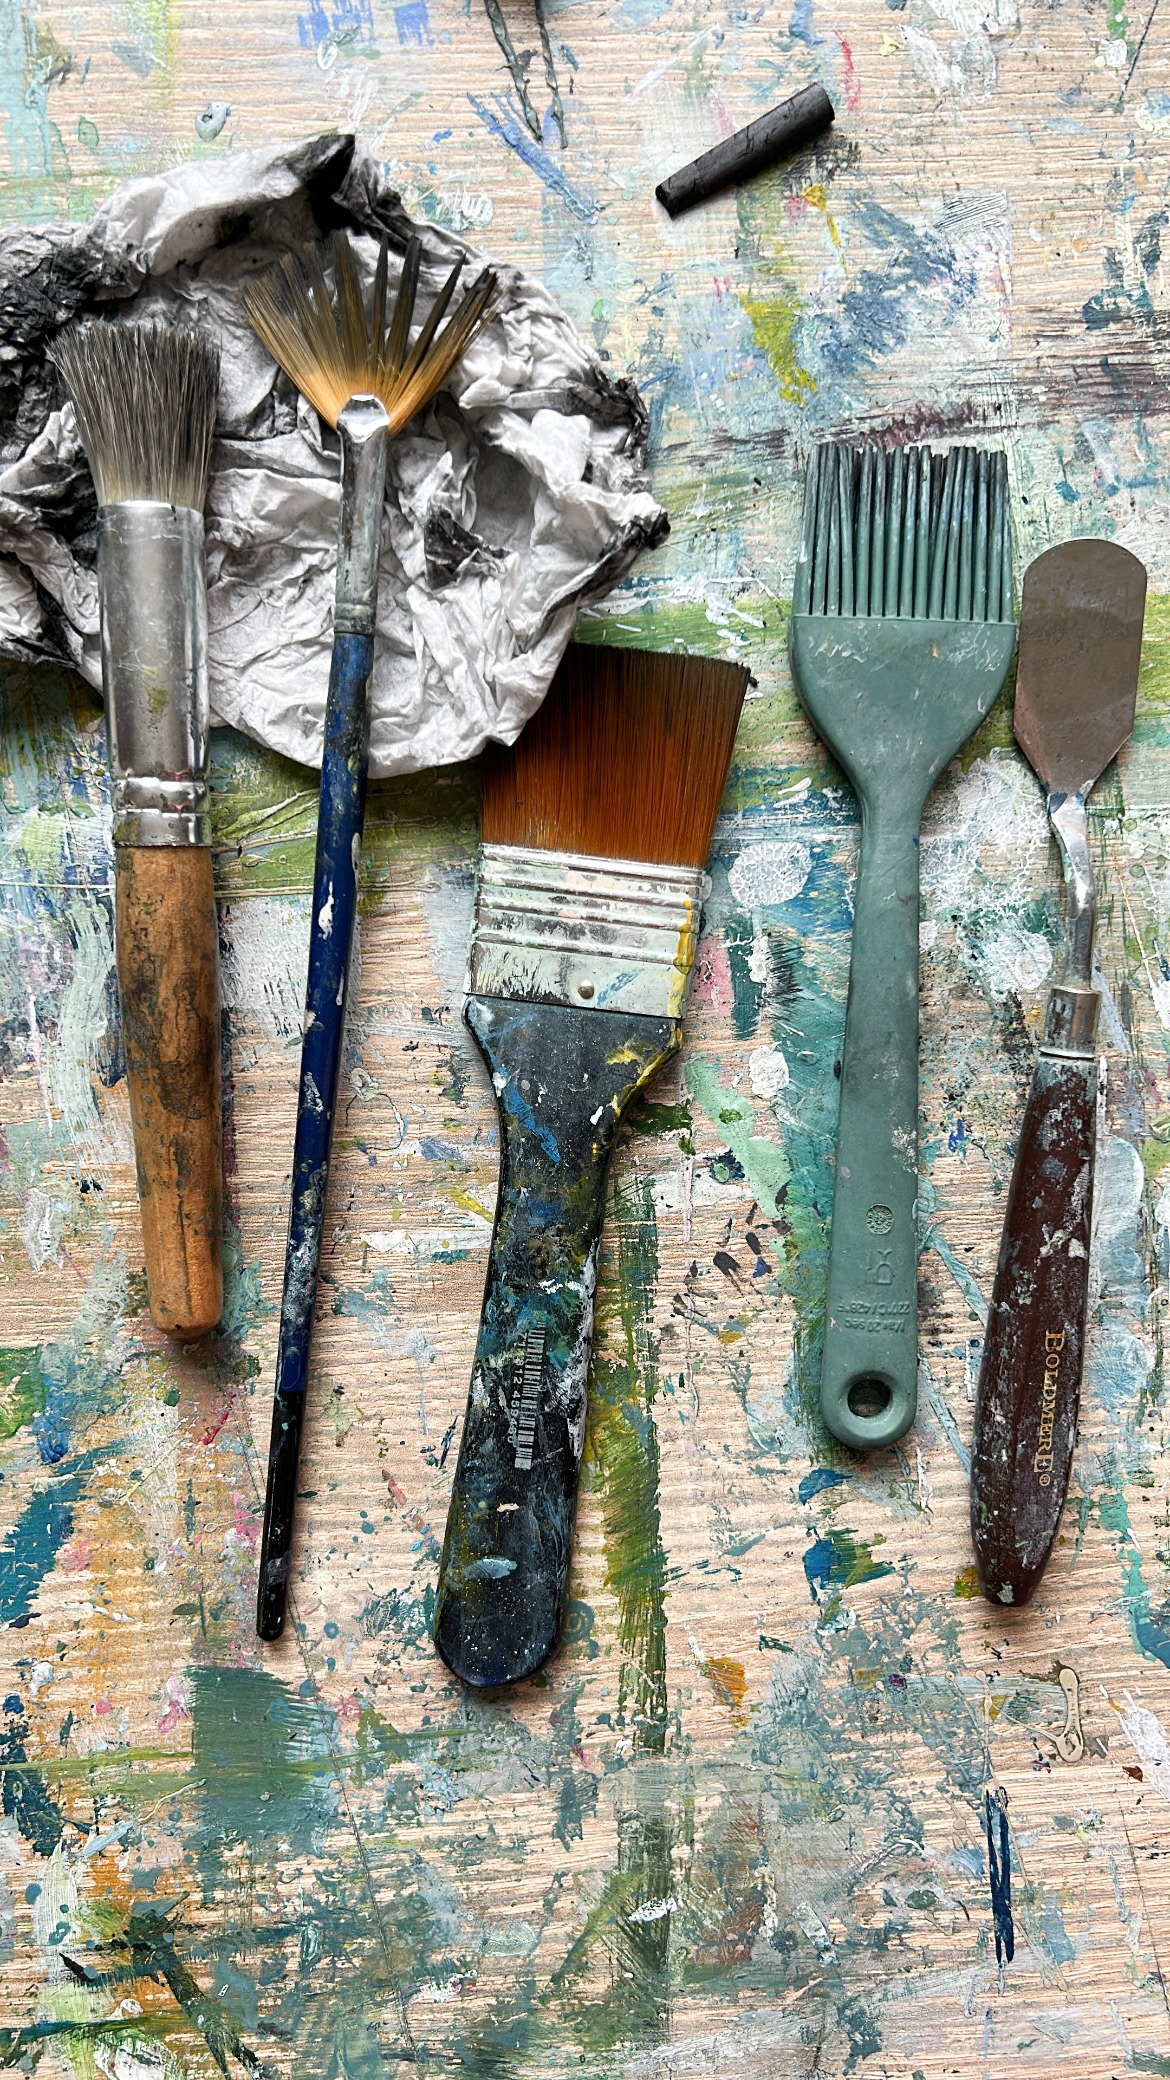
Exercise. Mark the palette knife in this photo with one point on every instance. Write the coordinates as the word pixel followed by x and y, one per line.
pixel 1076 690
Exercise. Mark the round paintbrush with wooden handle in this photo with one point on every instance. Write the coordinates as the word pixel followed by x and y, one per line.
pixel 144 397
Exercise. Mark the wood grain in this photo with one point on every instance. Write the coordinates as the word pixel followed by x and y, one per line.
pixel 168 980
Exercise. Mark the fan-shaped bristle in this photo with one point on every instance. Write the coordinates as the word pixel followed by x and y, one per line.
pixel 905 533
pixel 334 347
pixel 145 397
pixel 627 758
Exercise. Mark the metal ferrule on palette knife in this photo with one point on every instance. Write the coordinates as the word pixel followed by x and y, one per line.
pixel 573 928
pixel 154 669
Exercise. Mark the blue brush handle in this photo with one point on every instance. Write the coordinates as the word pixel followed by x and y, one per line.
pixel 335 882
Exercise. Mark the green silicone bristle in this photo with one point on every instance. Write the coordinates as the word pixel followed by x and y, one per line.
pixel 905 534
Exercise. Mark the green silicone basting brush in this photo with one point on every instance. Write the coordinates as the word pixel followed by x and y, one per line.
pixel 902 635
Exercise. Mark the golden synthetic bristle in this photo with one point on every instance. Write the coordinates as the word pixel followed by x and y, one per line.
pixel 626 759
pixel 144 396
pixel 334 347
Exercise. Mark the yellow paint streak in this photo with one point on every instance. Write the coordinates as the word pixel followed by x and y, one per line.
pixel 774 320
pixel 729 1682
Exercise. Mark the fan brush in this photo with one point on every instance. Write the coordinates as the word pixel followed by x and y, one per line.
pixel 355 362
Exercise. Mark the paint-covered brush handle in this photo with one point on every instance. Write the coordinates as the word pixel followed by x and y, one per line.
pixel 335 888
pixel 563 1078
pixel 869 1379
pixel 167 944
pixel 1030 1379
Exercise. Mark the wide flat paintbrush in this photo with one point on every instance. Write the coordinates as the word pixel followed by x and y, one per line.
pixel 145 396
pixel 596 829
pixel 357 364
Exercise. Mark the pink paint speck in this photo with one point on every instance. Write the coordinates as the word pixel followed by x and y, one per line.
pixel 178 1704
pixel 245 1519
pixel 713 975
pixel 209 1436
pixel 852 83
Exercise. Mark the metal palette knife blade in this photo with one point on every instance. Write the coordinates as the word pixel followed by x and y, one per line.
pixel 1078 660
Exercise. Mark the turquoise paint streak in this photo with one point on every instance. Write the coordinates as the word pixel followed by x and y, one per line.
pixel 29 1550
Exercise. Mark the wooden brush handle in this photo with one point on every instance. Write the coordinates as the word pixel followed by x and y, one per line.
pixel 168 974
pixel 1030 1379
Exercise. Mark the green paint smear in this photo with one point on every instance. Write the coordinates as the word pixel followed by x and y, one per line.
pixel 22 1389
pixel 622 1449
pixel 765 1164
pixel 1150 1627
pixel 632 1917
pixel 261 1756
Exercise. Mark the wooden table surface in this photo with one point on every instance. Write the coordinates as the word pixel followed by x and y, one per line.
pixel 791 1801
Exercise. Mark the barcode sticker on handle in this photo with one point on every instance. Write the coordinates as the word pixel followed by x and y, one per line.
pixel 530 1378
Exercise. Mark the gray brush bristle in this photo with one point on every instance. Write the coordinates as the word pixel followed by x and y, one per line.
pixel 907 534
pixel 145 398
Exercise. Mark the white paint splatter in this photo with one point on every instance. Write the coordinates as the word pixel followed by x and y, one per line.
pixel 768 1072
pixel 38 1228
pixel 1014 959
pixel 1146 1735
pixel 325 915
pixel 772 872
pixel 425 1243
pixel 968 16
pixel 1160 991
pixel 267 950
pixel 81 1024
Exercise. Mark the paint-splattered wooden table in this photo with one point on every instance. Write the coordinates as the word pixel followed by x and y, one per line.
pixel 792 1800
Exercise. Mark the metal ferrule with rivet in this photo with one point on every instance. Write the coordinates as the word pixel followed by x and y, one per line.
pixel 573 928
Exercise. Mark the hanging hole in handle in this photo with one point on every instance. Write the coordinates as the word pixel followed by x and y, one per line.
pixel 869 1398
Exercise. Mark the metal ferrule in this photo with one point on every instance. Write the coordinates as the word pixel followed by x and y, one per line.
pixel 153 594
pixel 1070 1028
pixel 572 928
pixel 364 428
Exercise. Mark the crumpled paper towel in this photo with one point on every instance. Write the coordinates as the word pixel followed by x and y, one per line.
pixel 518 496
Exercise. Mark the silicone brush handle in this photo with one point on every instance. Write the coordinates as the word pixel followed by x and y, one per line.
pixel 1030 1379
pixel 869 1380
pixel 168 979
pixel 335 885
pixel 563 1078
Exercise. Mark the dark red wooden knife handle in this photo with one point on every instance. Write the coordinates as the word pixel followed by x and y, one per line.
pixel 1030 1381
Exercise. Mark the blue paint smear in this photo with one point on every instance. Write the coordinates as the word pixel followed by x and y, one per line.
pixel 350 18
pixel 521 1110
pixel 29 1549
pixel 413 25
pixel 801 24
pixel 999 1861
pixel 510 131
pixel 638 14
pixel 818 1564
pixel 880 310
pixel 816 1482
pixel 969 1860
pixel 1152 1633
